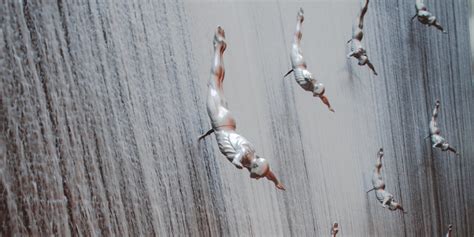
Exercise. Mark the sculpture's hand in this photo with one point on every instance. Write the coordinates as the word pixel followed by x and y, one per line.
pixel 280 186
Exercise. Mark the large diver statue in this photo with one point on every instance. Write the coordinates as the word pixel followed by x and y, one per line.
pixel 384 197
pixel 436 139
pixel 358 50
pixel 302 76
pixel 425 17
pixel 235 147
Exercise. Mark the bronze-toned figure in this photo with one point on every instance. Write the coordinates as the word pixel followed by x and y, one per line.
pixel 450 229
pixel 302 76
pixel 236 148
pixel 426 17
pixel 358 50
pixel 334 229
pixel 384 197
pixel 436 139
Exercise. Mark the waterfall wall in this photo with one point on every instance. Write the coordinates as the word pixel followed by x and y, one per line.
pixel 102 103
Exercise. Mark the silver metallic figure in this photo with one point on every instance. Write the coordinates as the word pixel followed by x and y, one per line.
pixel 426 17
pixel 334 229
pixel 358 50
pixel 450 229
pixel 236 148
pixel 437 140
pixel 302 76
pixel 383 196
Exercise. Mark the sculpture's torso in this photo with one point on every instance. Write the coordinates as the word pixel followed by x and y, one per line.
pixel 230 144
pixel 306 84
pixel 437 139
pixel 381 194
pixel 426 17
pixel 358 49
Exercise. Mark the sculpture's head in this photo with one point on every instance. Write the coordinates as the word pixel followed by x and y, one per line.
pixel 319 89
pixel 259 168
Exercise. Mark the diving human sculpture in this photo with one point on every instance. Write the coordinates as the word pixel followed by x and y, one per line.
pixel 450 229
pixel 358 50
pixel 384 197
pixel 302 76
pixel 426 17
pixel 236 148
pixel 334 229
pixel 436 139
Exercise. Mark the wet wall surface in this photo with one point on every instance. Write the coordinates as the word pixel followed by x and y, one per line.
pixel 102 103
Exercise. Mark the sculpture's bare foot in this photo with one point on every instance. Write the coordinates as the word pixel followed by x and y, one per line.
pixel 380 153
pixel 335 228
pixel 280 186
pixel 300 16
pixel 219 39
